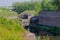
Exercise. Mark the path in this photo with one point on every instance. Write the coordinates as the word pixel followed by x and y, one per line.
pixel 30 36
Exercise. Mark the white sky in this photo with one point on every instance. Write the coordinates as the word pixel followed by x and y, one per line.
pixel 10 2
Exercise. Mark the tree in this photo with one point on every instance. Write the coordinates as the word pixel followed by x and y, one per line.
pixel 56 3
pixel 20 7
pixel 32 5
pixel 36 5
pixel 47 5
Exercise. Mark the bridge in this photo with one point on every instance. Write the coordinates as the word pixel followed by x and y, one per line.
pixel 46 23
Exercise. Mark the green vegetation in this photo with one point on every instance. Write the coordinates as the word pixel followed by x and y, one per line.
pixel 30 12
pixel 6 12
pixel 56 3
pixel 47 5
pixel 36 5
pixel 20 7
pixel 11 30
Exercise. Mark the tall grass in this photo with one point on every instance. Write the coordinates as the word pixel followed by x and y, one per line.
pixel 11 30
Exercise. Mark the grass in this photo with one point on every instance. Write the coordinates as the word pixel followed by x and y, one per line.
pixel 29 12
pixel 11 30
pixel 6 12
pixel 47 37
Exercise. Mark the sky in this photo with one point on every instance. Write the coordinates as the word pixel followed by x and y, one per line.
pixel 9 2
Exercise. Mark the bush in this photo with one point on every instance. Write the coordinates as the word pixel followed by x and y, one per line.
pixel 29 12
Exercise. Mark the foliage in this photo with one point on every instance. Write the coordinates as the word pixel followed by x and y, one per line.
pixel 37 5
pixel 20 7
pixel 30 12
pixel 6 12
pixel 47 5
pixel 56 3
pixel 11 30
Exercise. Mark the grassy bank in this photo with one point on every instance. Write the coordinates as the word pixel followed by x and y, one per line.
pixel 11 30
pixel 6 12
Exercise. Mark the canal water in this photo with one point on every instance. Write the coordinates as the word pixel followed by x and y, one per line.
pixel 44 35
